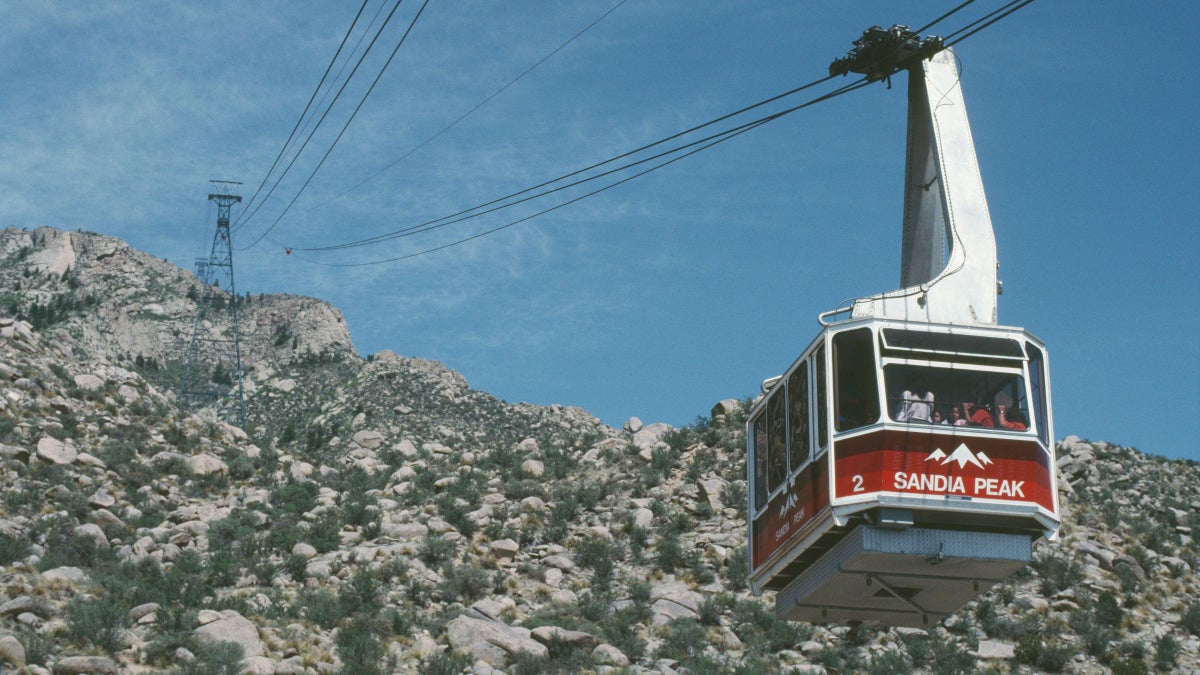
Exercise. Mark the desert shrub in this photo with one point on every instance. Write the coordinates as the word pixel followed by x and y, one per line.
pixel 359 648
pixel 1166 652
pixel 761 632
pixel 469 583
pixel 436 551
pixel 682 640
pixel 448 662
pixel 637 538
pixel 713 607
pixel 1108 610
pixel 1095 634
pixel 13 548
pixel 212 658
pixel 620 630
pixel 1048 655
pixel 321 607
pixel 737 568
pixel 65 548
pixel 38 647
pixel 1190 621
pixel 669 552
pixel 323 533
pixel 888 662
pixel 1057 573
pixel 99 621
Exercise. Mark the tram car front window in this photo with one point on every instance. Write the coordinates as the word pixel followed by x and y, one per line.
pixel 927 394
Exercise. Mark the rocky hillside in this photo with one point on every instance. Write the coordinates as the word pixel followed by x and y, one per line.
pixel 109 300
pixel 381 516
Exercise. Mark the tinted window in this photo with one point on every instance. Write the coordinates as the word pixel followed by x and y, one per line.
pixel 914 340
pixel 760 460
pixel 855 390
pixel 1037 382
pixel 776 441
pixel 822 409
pixel 956 396
pixel 797 390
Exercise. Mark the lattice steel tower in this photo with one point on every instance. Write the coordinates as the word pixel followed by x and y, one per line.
pixel 213 373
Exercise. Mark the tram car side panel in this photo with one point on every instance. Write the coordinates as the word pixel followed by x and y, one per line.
pixel 960 467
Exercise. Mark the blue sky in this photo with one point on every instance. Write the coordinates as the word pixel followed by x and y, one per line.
pixel 664 295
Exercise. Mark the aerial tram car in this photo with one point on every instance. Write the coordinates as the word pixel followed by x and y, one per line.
pixel 904 463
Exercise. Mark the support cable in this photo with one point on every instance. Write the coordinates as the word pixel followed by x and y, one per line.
pixel 344 127
pixel 308 105
pixel 323 115
pixel 702 144
pixel 479 105
pixel 713 140
pixel 390 235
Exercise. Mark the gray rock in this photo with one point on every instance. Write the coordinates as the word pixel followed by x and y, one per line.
pixel 207 465
pixel 533 467
pixel 69 574
pixel 491 641
pixel 21 604
pixel 142 612
pixel 78 665
pixel 548 635
pixel 649 435
pixel 610 655
pixel 12 651
pixel 89 382
pixel 371 440
pixel 995 649
pixel 505 548
pixel 11 452
pixel 53 450
pixel 233 627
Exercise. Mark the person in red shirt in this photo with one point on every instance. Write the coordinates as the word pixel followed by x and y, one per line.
pixel 978 415
pixel 1011 418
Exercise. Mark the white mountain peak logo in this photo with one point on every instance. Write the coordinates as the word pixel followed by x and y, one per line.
pixel 789 504
pixel 962 454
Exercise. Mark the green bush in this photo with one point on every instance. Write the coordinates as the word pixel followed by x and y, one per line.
pixel 359 648
pixel 1049 655
pixel 435 550
pixel 1166 652
pixel 669 552
pixel 1190 621
pixel 13 548
pixel 321 607
pixel 682 640
pixel 212 658
pixel 99 621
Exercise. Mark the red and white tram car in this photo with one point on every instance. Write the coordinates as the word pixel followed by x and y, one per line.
pixel 904 463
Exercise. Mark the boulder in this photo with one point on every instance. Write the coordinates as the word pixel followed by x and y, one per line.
pixel 207 465
pixel 491 641
pixel 533 468
pixel 53 450
pixel 12 651
pixel 233 627
pixel 79 665
pixel 89 382
pixel 370 440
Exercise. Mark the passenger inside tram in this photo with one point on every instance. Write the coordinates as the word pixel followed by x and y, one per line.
pixel 912 392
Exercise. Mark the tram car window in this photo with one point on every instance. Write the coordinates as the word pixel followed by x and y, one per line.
pixel 993 392
pixel 760 461
pixel 822 407
pixel 855 389
pixel 797 392
pixel 776 440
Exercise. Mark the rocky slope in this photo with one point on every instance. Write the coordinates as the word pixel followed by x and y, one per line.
pixel 381 516
pixel 108 299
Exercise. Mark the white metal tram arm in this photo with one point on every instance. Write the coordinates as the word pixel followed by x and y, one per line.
pixel 948 252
